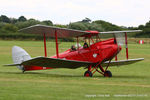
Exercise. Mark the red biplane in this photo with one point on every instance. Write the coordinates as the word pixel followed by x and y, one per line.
pixel 95 57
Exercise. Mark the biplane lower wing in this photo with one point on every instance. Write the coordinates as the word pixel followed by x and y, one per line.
pixel 72 64
pixel 122 62
pixel 12 65
pixel 54 63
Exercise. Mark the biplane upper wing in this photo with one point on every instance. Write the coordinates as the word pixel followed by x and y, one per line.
pixel 127 31
pixel 122 62
pixel 50 31
pixel 63 32
pixel 54 63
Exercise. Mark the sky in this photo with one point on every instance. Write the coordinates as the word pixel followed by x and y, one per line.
pixel 119 12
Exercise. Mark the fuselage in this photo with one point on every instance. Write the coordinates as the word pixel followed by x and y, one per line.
pixel 97 52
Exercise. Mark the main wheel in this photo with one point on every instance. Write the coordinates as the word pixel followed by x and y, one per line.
pixel 107 73
pixel 88 74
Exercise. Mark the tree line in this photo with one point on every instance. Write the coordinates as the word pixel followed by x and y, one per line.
pixel 9 27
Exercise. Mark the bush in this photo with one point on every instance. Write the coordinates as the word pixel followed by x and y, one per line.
pixel 5 28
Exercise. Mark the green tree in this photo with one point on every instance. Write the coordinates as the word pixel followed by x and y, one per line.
pixel 141 27
pixel 8 28
pixel 5 19
pixel 96 27
pixel 47 22
pixel 13 20
pixel 77 26
pixel 108 26
pixel 61 26
pixel 86 26
pixel 146 28
pixel 147 24
pixel 86 20
pixel 27 23
pixel 22 19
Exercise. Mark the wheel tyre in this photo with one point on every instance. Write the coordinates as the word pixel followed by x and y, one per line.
pixel 107 73
pixel 88 74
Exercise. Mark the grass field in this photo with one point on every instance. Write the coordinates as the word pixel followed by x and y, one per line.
pixel 128 82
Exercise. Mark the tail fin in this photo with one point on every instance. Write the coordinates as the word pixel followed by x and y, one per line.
pixel 19 55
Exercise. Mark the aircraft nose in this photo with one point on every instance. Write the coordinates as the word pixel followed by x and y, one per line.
pixel 119 48
pixel 115 49
pixel 112 51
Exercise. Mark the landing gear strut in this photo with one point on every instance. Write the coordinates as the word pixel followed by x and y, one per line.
pixel 97 68
pixel 23 70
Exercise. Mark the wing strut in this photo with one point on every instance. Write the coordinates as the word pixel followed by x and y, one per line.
pixel 44 37
pixel 57 53
pixel 78 44
pixel 116 58
pixel 126 43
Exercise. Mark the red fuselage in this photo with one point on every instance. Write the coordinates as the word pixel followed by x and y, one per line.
pixel 98 52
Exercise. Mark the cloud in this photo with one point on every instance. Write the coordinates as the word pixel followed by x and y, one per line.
pixel 120 12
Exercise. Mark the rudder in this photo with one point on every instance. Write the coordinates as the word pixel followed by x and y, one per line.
pixel 19 55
